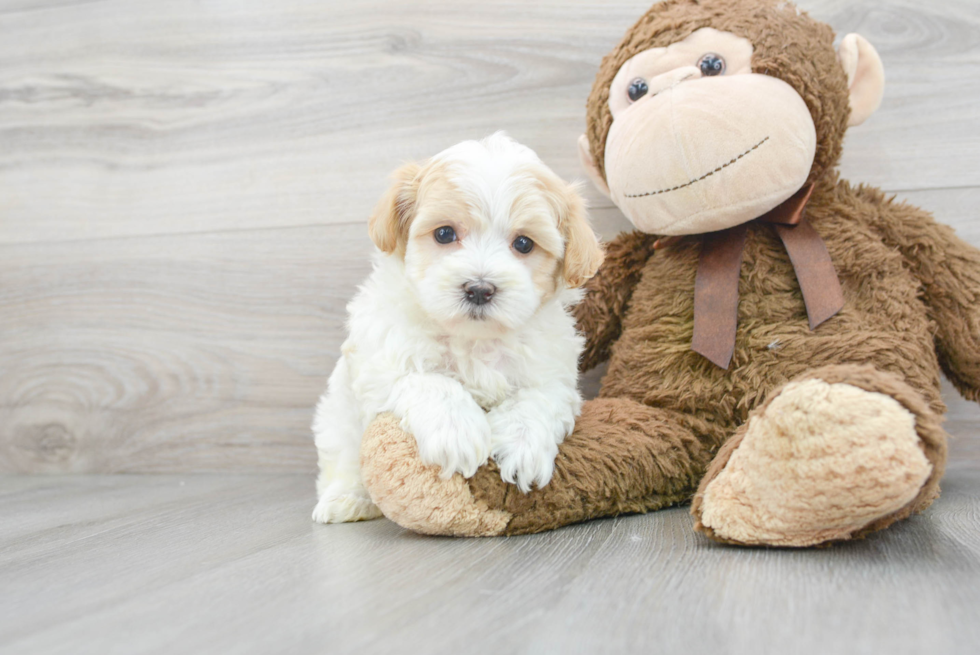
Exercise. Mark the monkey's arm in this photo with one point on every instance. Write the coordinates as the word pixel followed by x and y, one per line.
pixel 949 269
pixel 600 313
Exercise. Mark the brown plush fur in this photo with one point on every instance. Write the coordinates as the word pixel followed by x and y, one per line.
pixel 623 457
pixel 912 308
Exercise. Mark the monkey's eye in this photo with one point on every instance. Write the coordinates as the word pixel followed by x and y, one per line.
pixel 445 234
pixel 637 89
pixel 523 245
pixel 711 64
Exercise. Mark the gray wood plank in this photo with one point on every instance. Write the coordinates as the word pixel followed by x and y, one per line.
pixel 203 352
pixel 209 563
pixel 135 118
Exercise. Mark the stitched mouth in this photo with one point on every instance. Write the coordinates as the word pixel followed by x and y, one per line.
pixel 696 180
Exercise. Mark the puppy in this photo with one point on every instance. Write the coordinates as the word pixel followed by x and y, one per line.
pixel 461 330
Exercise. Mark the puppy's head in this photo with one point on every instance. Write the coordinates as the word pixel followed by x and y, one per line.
pixel 487 232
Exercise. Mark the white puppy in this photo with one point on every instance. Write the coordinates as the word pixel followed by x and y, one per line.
pixel 461 330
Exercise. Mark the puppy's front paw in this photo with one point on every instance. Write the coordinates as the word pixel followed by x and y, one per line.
pixel 337 506
pixel 524 447
pixel 455 436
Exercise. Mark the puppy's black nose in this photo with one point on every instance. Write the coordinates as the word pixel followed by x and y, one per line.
pixel 479 293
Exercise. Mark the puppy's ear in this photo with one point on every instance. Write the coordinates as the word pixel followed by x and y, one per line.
pixel 389 223
pixel 583 253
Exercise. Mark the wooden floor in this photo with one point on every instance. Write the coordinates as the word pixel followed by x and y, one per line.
pixel 184 189
pixel 232 564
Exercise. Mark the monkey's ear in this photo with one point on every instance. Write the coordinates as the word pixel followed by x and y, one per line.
pixel 865 76
pixel 583 252
pixel 585 156
pixel 389 222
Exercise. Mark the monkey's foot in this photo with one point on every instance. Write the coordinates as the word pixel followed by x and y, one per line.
pixel 822 461
pixel 414 494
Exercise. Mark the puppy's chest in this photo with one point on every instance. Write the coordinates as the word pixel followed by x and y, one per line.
pixel 487 370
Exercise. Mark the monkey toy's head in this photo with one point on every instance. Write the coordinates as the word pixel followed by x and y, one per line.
pixel 710 113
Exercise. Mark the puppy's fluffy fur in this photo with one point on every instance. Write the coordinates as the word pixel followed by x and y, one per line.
pixel 470 374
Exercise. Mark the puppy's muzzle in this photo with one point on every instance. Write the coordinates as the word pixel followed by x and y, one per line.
pixel 479 293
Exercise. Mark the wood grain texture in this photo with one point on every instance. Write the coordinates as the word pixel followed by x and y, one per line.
pixel 136 118
pixel 193 352
pixel 219 563
pixel 184 188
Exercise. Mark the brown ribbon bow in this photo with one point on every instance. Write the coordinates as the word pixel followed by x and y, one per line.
pixel 716 284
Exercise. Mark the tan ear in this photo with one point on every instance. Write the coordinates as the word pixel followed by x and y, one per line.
pixel 389 223
pixel 588 163
pixel 865 76
pixel 583 253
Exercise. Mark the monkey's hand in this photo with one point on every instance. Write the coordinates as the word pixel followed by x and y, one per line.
pixel 949 270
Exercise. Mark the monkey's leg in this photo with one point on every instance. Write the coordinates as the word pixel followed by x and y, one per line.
pixel 836 454
pixel 622 457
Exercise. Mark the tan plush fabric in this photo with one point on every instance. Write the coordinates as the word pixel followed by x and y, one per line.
pixel 667 419
pixel 899 471
pixel 762 137
pixel 820 463
pixel 412 493
pixel 865 76
pixel 788 46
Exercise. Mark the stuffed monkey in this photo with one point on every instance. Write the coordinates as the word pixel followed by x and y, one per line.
pixel 775 335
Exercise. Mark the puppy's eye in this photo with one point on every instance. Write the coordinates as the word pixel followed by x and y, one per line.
pixel 523 245
pixel 711 64
pixel 445 234
pixel 637 89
